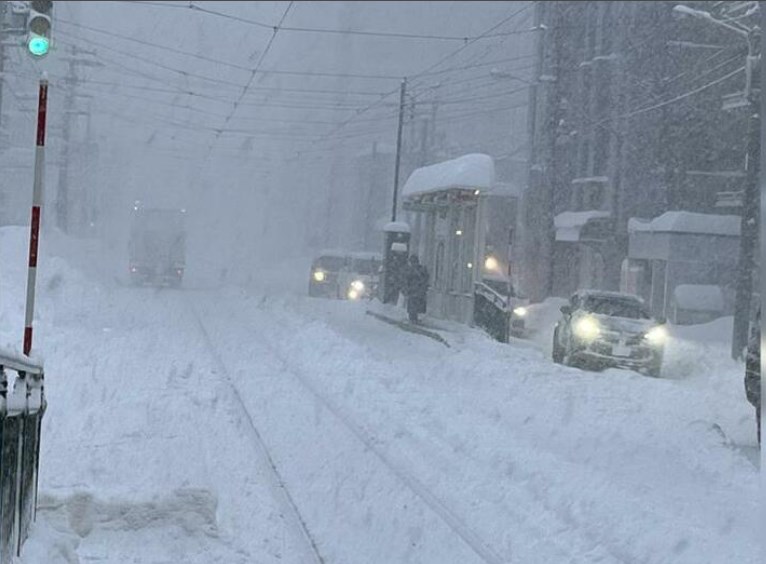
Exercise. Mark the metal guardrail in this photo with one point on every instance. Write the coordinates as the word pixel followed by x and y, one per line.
pixel 21 412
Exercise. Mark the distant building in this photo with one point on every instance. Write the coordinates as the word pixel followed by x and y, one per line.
pixel 626 121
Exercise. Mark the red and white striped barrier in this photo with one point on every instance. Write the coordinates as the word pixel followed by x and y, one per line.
pixel 37 202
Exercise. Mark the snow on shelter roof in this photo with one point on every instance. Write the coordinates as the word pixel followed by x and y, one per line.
pixel 688 222
pixel 699 297
pixel 475 171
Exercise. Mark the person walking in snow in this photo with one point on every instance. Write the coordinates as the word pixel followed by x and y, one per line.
pixel 753 372
pixel 416 288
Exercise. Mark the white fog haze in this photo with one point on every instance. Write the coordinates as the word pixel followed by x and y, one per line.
pixel 380 282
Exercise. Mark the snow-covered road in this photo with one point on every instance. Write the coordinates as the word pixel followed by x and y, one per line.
pixel 230 426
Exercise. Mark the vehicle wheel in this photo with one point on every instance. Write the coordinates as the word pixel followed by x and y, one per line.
pixel 557 352
pixel 655 369
pixel 569 358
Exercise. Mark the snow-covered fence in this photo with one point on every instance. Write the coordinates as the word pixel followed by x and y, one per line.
pixel 22 405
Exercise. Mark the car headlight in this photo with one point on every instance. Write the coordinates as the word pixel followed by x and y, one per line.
pixel 587 328
pixel 353 294
pixel 491 264
pixel 657 335
pixel 319 276
pixel 520 312
pixel 358 285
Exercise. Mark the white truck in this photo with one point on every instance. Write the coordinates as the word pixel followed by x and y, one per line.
pixel 157 248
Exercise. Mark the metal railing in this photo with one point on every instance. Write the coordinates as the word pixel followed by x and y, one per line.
pixel 22 405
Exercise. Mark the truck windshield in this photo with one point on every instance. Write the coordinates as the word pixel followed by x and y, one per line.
pixel 333 264
pixel 365 266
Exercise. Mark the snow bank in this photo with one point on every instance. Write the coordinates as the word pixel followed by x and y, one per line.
pixel 688 222
pixel 48 545
pixel 568 224
pixel 475 171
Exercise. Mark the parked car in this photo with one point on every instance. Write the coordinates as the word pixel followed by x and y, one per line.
pixel 609 329
pixel 360 278
pixel 326 270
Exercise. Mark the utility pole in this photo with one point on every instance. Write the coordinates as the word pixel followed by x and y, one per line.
pixel 402 94
pixel 3 11
pixel 63 196
pixel 750 210
pixel 750 98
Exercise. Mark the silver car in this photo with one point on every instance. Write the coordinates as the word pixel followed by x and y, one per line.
pixel 609 329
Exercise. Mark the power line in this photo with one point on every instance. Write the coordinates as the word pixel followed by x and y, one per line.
pixel 682 96
pixel 368 33
pixel 430 68
pixel 237 85
pixel 264 53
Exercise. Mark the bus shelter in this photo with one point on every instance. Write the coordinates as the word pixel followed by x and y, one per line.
pixel 451 207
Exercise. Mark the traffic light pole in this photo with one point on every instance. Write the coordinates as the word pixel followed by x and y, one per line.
pixel 37 203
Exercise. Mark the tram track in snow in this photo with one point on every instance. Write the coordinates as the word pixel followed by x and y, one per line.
pixel 421 491
pixel 279 482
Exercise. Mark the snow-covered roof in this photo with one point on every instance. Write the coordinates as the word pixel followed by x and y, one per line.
pixel 699 297
pixel 475 171
pixel 688 222
pixel 397 227
pixel 568 224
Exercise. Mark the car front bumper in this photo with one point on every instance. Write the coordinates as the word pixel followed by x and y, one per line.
pixel 635 357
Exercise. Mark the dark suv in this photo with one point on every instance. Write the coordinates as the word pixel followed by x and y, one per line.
pixel 602 329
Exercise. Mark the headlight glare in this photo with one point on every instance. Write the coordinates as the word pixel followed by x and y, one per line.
pixel 587 328
pixel 353 294
pixel 491 264
pixel 358 285
pixel 520 311
pixel 319 276
pixel 657 335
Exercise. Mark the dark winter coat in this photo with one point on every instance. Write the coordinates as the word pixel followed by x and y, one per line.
pixel 753 370
pixel 416 287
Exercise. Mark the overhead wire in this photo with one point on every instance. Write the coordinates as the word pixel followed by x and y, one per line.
pixel 428 69
pixel 264 25
pixel 262 57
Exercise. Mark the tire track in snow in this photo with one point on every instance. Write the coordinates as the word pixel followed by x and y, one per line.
pixel 557 550
pixel 280 483
pixel 453 521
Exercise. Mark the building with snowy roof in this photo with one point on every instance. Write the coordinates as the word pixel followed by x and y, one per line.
pixel 695 252
pixel 600 142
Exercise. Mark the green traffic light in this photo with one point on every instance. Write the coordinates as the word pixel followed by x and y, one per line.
pixel 38 46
